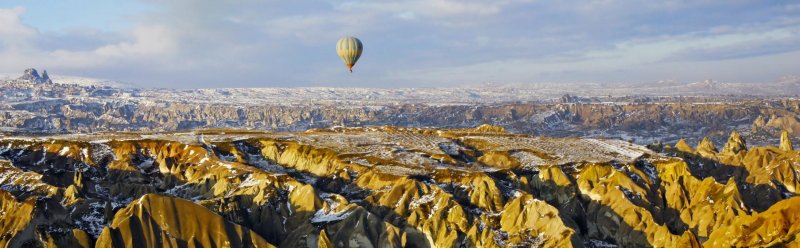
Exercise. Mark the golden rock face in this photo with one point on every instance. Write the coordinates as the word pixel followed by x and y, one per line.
pixel 151 221
pixel 391 187
pixel 786 143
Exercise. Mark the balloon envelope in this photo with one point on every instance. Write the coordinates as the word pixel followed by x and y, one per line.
pixel 349 49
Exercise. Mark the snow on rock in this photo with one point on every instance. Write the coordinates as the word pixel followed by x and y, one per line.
pixel 94 221
pixel 425 199
pixel 527 159
pixel 450 148
pixel 322 217
pixel 599 244
pixel 627 150
pixel 63 151
pixel 249 182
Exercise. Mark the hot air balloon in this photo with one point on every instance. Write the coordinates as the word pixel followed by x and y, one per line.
pixel 349 49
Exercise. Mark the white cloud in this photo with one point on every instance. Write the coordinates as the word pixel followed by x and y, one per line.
pixel 153 44
pixel 641 54
pixel 425 8
pixel 146 41
pixel 14 33
pixel 440 12
pixel 209 43
pixel 317 28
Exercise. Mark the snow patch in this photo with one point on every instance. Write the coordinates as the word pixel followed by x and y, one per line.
pixel 599 244
pixel 450 148
pixel 249 182
pixel 424 199
pixel 94 221
pixel 322 217
pixel 63 151
pixel 629 151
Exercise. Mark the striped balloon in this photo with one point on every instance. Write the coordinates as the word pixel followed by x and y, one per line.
pixel 349 49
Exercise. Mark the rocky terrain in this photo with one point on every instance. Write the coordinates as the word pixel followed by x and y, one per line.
pixel 644 114
pixel 391 186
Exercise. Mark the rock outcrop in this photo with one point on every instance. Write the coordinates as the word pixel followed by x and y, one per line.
pixel 683 146
pixel 786 143
pixel 706 148
pixel 778 226
pixel 31 75
pixel 28 107
pixel 735 144
pixel 390 187
pixel 162 221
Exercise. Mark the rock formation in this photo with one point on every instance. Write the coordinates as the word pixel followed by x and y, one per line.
pixel 151 221
pixel 706 148
pixel 31 75
pixel 778 226
pixel 683 146
pixel 388 186
pixel 735 144
pixel 786 143
pixel 28 107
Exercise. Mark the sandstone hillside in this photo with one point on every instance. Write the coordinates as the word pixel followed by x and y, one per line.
pixel 392 187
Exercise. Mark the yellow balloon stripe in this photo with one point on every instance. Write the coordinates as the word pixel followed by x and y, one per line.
pixel 349 49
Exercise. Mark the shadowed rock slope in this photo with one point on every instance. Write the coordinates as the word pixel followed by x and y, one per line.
pixel 391 187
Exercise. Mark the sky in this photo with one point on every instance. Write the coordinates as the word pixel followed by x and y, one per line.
pixel 407 43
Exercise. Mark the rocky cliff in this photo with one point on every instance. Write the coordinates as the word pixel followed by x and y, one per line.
pixel 390 187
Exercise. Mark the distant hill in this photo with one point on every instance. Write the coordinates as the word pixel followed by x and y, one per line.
pixel 84 81
pixel 32 75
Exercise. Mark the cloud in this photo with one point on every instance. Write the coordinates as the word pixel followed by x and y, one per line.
pixel 314 29
pixel 21 51
pixel 431 8
pixel 207 43
pixel 735 46
pixel 146 41
pixel 143 45
pixel 680 53
pixel 16 35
